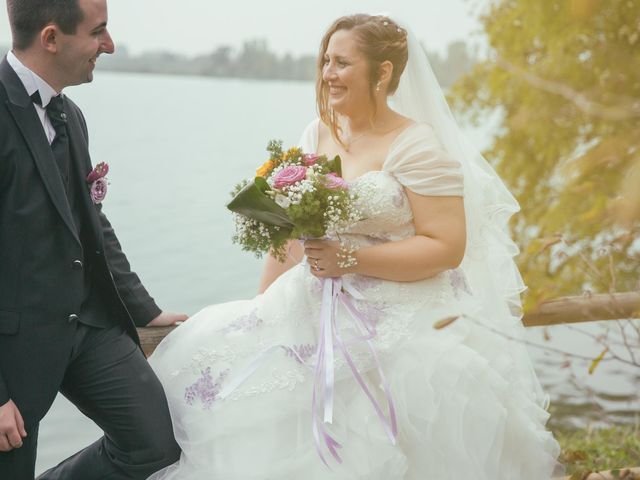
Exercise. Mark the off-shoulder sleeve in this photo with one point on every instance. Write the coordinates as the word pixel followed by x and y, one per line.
pixel 309 140
pixel 419 162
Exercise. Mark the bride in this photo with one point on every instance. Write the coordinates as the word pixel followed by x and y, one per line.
pixel 335 371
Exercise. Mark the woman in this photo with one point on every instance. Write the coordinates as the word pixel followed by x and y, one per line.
pixel 336 370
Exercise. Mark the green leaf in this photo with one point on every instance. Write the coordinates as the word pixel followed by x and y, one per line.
pixel 253 202
pixel 335 165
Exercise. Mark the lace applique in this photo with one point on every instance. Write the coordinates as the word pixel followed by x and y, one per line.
pixel 459 282
pixel 244 323
pixel 399 197
pixel 301 353
pixel 207 357
pixel 202 359
pixel 363 283
pixel 373 311
pixel 205 388
pixel 278 380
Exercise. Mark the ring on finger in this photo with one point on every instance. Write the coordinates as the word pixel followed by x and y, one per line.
pixel 315 264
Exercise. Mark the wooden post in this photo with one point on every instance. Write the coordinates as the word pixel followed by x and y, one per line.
pixel 150 337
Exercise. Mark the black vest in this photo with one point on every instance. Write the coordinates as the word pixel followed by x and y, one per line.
pixel 94 310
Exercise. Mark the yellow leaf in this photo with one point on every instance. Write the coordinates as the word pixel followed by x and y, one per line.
pixel 597 360
pixel 445 322
pixel 582 9
pixel 592 214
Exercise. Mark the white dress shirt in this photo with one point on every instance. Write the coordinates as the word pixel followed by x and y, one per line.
pixel 32 83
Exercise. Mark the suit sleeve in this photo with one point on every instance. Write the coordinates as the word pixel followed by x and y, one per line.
pixel 4 393
pixel 135 297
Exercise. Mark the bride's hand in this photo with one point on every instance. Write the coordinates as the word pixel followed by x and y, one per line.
pixel 322 257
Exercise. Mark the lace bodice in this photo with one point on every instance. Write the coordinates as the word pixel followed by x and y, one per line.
pixel 384 206
pixel 416 161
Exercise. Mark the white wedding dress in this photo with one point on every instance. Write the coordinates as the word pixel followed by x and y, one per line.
pixel 467 401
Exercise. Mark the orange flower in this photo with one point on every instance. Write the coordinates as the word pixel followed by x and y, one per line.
pixel 266 167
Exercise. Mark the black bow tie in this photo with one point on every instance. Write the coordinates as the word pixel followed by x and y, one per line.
pixel 55 109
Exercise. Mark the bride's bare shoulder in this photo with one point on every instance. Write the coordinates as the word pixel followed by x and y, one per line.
pixel 323 131
pixel 325 139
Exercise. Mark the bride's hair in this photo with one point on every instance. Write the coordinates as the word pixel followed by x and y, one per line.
pixel 379 39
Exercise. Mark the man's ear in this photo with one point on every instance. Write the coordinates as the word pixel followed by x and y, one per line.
pixel 49 38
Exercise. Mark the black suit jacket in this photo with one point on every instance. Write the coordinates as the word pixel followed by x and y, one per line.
pixel 41 280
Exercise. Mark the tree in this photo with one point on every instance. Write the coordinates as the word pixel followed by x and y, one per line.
pixel 218 63
pixel 565 76
pixel 256 60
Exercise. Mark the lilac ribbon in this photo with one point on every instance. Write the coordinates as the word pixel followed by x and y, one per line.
pixel 324 374
pixel 333 293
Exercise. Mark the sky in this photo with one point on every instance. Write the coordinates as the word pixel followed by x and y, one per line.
pixel 192 27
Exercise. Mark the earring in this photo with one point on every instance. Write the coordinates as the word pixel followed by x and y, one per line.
pixel 378 87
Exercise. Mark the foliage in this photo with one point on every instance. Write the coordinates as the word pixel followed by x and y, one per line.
pixel 599 449
pixel 564 76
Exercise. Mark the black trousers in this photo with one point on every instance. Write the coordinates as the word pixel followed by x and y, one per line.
pixel 110 381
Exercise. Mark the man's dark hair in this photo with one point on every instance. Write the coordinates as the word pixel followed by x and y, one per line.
pixel 28 17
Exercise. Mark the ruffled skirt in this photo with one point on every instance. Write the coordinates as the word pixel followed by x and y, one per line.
pixel 466 399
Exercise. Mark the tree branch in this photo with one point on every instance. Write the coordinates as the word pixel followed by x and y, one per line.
pixel 580 100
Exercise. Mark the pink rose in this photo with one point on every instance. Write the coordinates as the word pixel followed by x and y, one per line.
pixel 289 175
pixel 99 171
pixel 98 190
pixel 334 181
pixel 310 159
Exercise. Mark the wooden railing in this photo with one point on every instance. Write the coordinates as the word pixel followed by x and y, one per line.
pixel 553 312
pixel 585 308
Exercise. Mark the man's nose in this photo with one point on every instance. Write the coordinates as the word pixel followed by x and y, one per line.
pixel 107 45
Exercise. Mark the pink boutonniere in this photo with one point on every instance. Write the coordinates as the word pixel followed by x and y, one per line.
pixel 97 180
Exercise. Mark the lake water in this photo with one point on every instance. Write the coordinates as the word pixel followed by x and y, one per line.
pixel 176 146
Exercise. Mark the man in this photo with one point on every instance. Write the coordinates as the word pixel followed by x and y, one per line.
pixel 69 302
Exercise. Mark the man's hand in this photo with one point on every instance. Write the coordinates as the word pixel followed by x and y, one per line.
pixel 166 319
pixel 11 427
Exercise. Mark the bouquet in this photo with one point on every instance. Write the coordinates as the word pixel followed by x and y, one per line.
pixel 295 195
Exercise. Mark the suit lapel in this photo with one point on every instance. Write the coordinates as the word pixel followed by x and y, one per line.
pixel 26 118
